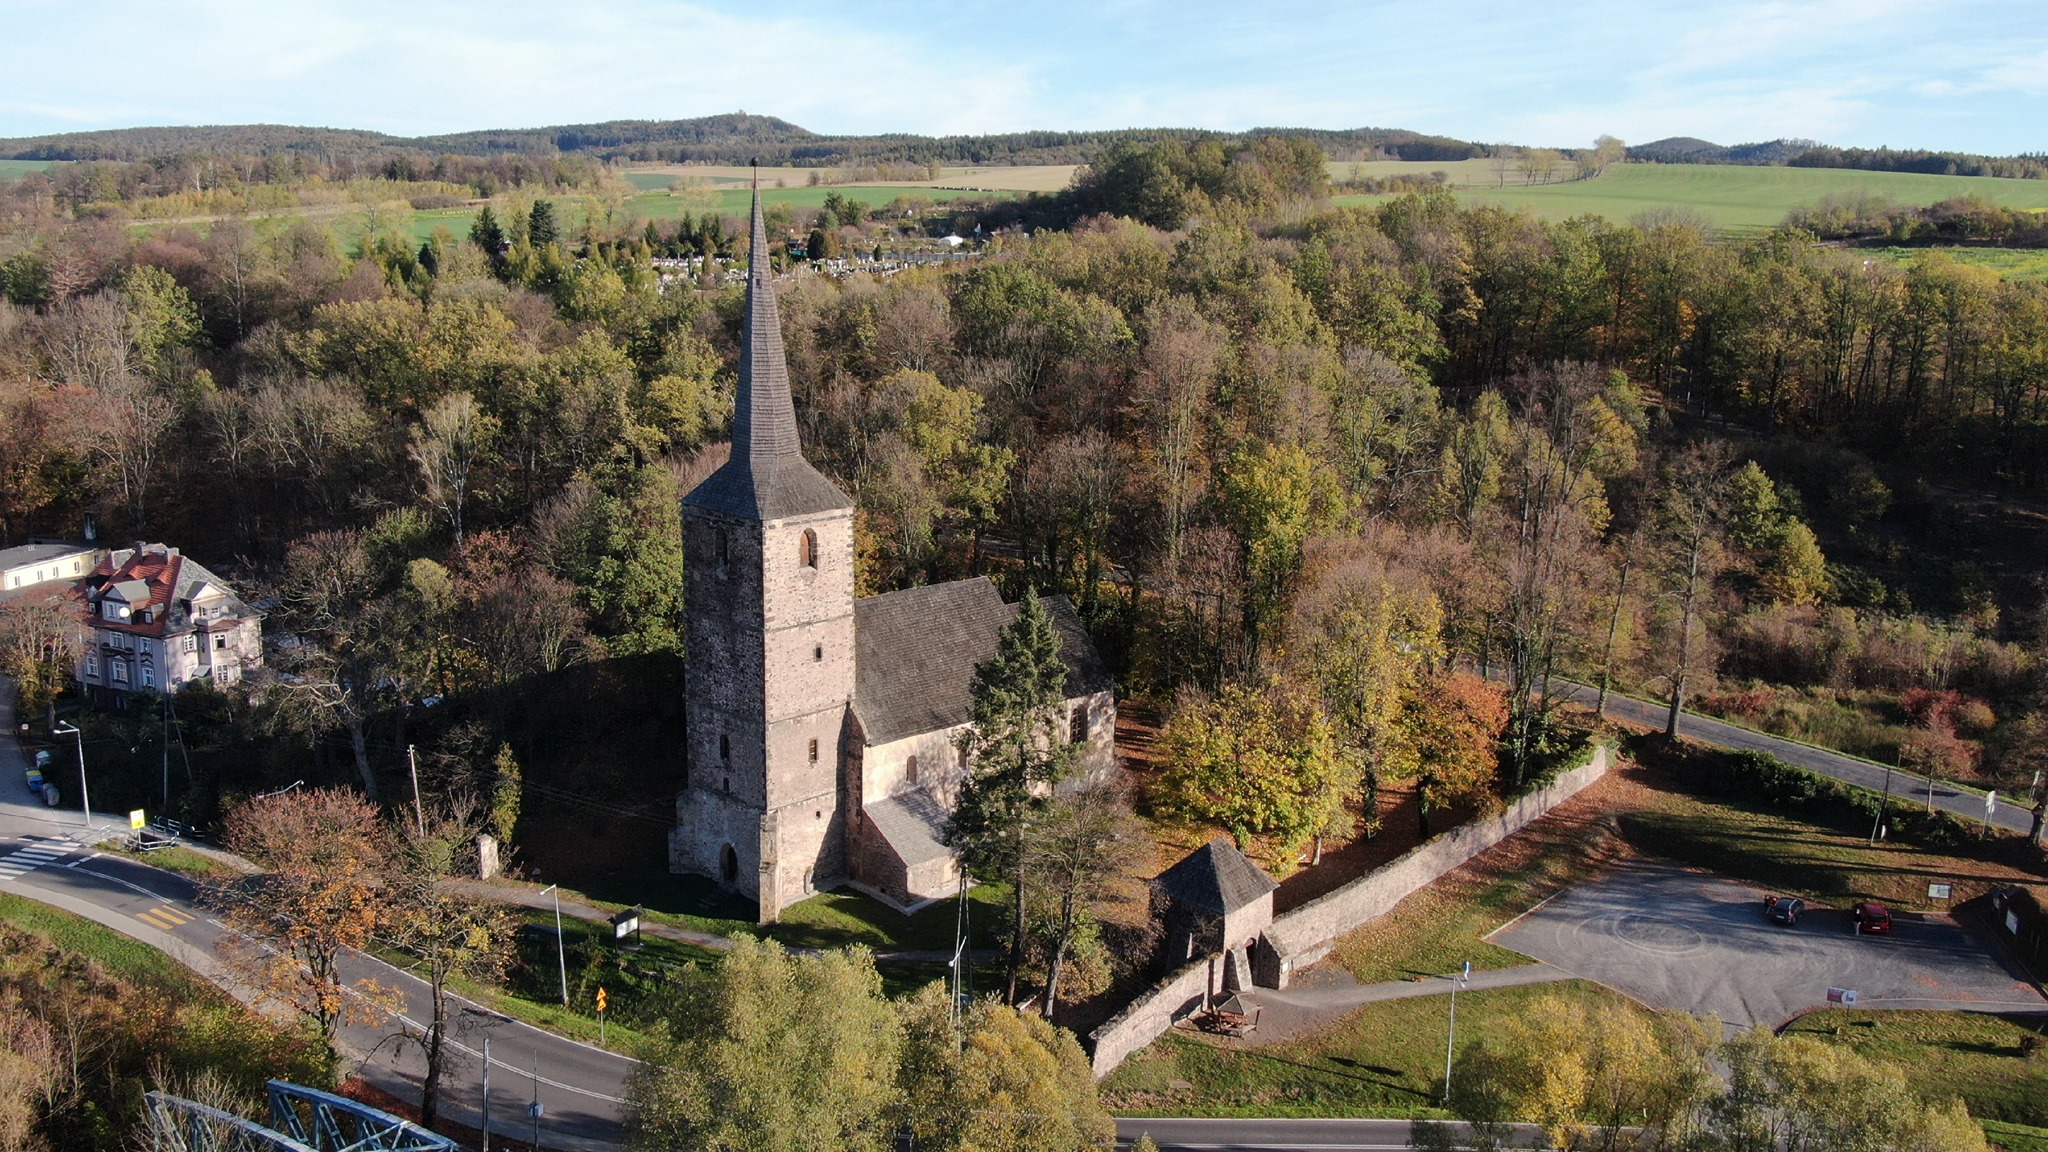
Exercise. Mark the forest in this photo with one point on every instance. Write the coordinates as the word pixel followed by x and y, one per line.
pixel 1309 470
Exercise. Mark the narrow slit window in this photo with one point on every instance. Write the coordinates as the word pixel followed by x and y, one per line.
pixel 724 747
pixel 910 770
pixel 814 750
pixel 1079 733
pixel 807 549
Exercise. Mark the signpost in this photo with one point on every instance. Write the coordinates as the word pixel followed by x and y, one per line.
pixel 1846 997
pixel 627 923
pixel 136 819
pixel 600 1015
pixel 1938 891
pixel 1451 1040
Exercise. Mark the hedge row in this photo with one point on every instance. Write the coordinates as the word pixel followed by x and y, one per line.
pixel 1765 779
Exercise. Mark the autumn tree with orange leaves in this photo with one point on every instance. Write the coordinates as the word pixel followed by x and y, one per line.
pixel 1449 743
pixel 322 852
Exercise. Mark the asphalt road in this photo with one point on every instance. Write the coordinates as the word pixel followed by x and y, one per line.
pixel 1694 942
pixel 1905 787
pixel 47 855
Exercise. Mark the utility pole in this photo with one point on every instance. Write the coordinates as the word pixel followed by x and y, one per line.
pixel 1452 1040
pixel 487 1093
pixel 561 958
pixel 1883 806
pixel 67 728
pixel 164 710
pixel 533 1109
pixel 412 764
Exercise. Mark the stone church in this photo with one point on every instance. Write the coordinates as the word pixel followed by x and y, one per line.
pixel 822 730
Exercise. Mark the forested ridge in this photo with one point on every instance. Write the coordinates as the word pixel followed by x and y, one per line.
pixel 1301 464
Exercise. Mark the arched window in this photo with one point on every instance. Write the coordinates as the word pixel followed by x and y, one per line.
pixel 729 865
pixel 910 770
pixel 807 549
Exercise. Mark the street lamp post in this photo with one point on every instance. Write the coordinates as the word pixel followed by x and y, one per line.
pixel 1452 1040
pixel 1883 807
pixel 67 728
pixel 561 959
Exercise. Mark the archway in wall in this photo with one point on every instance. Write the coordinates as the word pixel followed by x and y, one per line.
pixel 729 865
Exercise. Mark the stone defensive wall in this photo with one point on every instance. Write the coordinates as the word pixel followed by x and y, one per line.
pixel 1306 934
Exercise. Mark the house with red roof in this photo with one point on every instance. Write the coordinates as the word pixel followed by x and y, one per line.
pixel 159 621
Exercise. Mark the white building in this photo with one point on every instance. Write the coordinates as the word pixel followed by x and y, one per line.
pixel 47 562
pixel 160 621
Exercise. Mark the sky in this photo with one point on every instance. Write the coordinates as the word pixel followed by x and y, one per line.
pixel 1967 75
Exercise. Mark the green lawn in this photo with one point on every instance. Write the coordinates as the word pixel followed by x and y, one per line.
pixel 2011 263
pixel 827 920
pixel 1441 927
pixel 1973 1056
pixel 125 958
pixel 2016 1137
pixel 1832 866
pixel 1732 196
pixel 1385 1059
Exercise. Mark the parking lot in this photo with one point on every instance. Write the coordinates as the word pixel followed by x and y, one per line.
pixel 1673 938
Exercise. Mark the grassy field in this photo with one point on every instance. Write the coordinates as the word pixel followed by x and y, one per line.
pixel 1975 1056
pixel 1827 865
pixel 1728 196
pixel 130 960
pixel 11 169
pixel 1385 1059
pixel 1003 178
pixel 2011 263
pixel 2016 1137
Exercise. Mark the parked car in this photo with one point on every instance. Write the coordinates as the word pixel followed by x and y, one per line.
pixel 1872 917
pixel 1784 910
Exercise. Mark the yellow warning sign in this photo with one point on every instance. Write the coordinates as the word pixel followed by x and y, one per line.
pixel 135 818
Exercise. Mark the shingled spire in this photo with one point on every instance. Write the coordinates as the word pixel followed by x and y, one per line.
pixel 767 477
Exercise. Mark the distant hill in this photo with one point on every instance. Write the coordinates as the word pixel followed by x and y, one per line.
pixel 1813 154
pixel 733 138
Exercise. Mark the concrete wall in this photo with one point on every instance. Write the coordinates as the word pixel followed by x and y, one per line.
pixel 1149 1016
pixel 1306 934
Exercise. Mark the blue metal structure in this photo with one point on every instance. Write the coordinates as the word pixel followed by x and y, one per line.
pixel 181 1125
pixel 325 1122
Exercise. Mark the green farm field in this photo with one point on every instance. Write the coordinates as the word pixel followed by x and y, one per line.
pixel 14 169
pixel 1728 196
pixel 2011 263
pixel 1001 178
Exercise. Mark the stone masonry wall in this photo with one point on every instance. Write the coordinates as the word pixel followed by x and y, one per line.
pixel 1306 934
pixel 1149 1016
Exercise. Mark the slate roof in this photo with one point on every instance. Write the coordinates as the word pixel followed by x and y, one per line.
pixel 1215 878
pixel 913 823
pixel 159 580
pixel 915 652
pixel 767 477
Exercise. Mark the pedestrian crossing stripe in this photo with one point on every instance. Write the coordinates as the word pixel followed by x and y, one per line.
pixel 166 917
pixel 34 856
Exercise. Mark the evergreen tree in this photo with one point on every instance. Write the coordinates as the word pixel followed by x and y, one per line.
pixel 488 234
pixel 541 229
pixel 1016 752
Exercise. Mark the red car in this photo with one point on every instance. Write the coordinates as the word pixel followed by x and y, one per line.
pixel 1872 917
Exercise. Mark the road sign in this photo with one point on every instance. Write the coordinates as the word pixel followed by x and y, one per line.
pixel 1991 804
pixel 534 1110
pixel 600 1000
pixel 1938 891
pixel 136 819
pixel 1846 997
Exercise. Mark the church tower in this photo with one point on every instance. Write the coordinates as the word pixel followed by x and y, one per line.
pixel 768 551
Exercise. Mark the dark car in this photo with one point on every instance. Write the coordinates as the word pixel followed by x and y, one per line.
pixel 1784 910
pixel 1872 917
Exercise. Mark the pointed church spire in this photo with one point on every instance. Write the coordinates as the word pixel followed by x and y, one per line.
pixel 764 421
pixel 767 476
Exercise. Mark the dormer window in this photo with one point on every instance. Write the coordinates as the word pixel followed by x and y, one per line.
pixel 807 549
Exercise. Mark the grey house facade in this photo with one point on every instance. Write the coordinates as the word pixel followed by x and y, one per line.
pixel 821 744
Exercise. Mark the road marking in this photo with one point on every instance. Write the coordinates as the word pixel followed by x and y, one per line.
pixel 84 860
pixel 166 917
pixel 37 854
